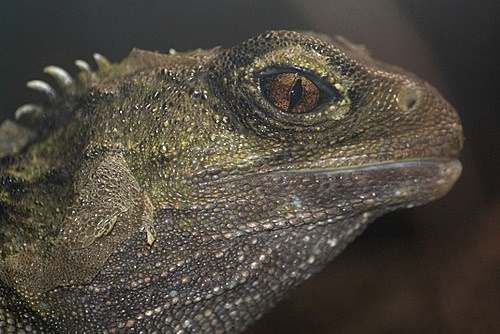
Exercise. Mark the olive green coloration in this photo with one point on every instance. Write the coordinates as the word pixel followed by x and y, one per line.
pixel 189 192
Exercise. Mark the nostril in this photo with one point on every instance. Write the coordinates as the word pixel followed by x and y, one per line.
pixel 409 98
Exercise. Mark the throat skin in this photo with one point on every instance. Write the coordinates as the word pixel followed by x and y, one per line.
pixel 190 192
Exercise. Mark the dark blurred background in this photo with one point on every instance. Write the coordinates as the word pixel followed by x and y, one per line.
pixel 433 269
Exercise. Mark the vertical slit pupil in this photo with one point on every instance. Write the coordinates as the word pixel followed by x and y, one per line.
pixel 295 94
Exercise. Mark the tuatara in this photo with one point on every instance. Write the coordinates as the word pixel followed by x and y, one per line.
pixel 190 192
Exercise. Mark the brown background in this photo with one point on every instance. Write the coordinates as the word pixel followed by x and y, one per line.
pixel 434 269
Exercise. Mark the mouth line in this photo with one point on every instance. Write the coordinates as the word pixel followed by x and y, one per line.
pixel 436 173
pixel 447 165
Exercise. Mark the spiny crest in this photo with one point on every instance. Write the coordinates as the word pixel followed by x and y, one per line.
pixel 33 122
pixel 68 86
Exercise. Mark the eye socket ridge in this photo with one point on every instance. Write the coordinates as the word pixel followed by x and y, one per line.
pixel 294 90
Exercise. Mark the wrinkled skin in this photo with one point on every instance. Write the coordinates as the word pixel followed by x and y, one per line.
pixel 190 192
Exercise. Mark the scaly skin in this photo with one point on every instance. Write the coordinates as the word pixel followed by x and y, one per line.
pixel 190 192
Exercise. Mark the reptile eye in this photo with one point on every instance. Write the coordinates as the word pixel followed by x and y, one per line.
pixel 294 91
pixel 291 92
pixel 297 99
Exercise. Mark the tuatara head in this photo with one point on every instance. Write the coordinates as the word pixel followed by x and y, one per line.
pixel 192 191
